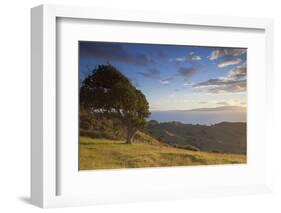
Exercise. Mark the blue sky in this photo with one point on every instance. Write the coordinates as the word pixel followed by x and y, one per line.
pixel 174 77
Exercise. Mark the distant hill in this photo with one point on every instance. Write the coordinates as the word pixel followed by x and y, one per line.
pixel 222 108
pixel 224 137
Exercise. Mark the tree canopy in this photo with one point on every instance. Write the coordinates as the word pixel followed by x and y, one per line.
pixel 106 91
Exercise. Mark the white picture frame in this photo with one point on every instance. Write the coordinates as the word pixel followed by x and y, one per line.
pixel 44 149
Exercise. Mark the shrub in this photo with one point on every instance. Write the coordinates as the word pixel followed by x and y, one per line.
pixel 97 134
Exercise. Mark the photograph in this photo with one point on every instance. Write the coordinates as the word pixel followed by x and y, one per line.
pixel 161 105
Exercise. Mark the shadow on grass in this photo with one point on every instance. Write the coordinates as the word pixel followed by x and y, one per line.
pixel 192 158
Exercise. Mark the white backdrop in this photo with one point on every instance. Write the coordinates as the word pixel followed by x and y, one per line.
pixel 150 182
pixel 15 105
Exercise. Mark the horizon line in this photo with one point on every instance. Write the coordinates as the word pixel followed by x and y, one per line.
pixel 201 109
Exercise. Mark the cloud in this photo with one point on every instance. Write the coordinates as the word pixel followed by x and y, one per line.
pixel 166 81
pixel 188 84
pixel 203 102
pixel 234 81
pixel 151 73
pixel 218 82
pixel 179 59
pixel 194 57
pixel 239 72
pixel 187 72
pixel 224 103
pixel 221 52
pixel 221 86
pixel 190 57
pixel 233 87
pixel 243 103
pixel 229 62
pixel 113 52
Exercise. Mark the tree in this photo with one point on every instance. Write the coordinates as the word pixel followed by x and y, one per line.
pixel 107 92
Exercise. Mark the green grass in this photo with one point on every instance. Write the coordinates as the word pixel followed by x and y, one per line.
pixel 114 154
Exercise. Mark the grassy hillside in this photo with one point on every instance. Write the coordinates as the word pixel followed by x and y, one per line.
pixel 161 144
pixel 223 137
pixel 144 152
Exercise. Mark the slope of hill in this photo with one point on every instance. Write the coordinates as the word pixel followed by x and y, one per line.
pixel 115 154
pixel 223 137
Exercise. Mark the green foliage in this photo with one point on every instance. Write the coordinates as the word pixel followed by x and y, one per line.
pixel 107 92
pixel 98 134
pixel 95 126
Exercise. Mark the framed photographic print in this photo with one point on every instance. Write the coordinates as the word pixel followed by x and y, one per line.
pixel 152 105
pixel 149 106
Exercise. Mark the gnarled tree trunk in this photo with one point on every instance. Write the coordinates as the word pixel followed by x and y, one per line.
pixel 130 135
